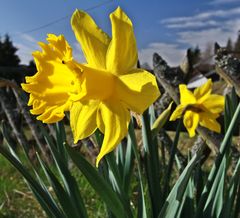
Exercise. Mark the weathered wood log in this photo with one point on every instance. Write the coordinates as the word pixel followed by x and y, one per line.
pixel 228 67
pixel 7 108
pixel 167 143
pixel 36 133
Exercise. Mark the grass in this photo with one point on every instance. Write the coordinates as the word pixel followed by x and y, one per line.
pixel 15 198
pixel 17 201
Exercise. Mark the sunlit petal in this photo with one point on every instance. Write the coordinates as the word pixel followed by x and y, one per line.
pixel 115 118
pixel 214 103
pixel 186 96
pixel 122 52
pixel 178 112
pixel 201 93
pixel 94 42
pixel 83 118
pixel 53 114
pixel 190 121
pixel 137 90
pixel 208 120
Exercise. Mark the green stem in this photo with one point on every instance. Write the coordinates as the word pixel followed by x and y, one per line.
pixel 134 146
pixel 118 183
pixel 151 161
pixel 171 161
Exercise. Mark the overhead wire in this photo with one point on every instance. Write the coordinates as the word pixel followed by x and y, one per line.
pixel 61 19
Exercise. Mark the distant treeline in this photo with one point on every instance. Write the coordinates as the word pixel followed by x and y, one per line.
pixel 10 67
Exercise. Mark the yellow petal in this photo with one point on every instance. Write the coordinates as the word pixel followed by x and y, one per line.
pixel 214 103
pixel 208 120
pixel 190 121
pixel 202 92
pixel 94 42
pixel 186 96
pixel 53 114
pixel 83 119
pixel 178 113
pixel 52 87
pixel 137 90
pixel 122 51
pixel 115 118
pixel 100 123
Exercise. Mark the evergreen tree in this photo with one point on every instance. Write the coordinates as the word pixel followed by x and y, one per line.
pixel 207 54
pixel 237 43
pixel 237 46
pixel 195 54
pixel 229 45
pixel 8 56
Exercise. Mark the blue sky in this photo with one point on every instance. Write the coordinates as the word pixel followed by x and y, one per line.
pixel 166 27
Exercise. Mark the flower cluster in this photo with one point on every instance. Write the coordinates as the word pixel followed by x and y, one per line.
pixel 100 93
pixel 200 107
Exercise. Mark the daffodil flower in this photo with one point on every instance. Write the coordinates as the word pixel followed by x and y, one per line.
pixel 200 107
pixel 100 93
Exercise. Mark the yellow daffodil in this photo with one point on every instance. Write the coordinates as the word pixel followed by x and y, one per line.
pixel 98 94
pixel 200 107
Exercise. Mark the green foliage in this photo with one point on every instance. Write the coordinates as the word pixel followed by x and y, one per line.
pixel 135 181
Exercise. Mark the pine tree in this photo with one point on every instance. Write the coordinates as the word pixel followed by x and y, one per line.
pixel 8 56
pixel 229 45
pixel 237 44
pixel 195 54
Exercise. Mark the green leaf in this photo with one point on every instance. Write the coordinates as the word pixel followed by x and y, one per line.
pixel 236 210
pixel 142 211
pixel 231 193
pixel 43 197
pixel 62 196
pixel 171 161
pixel 128 165
pixel 98 183
pixel 120 157
pixel 60 159
pixel 61 141
pixel 216 167
pixel 175 199
pixel 115 179
pixel 151 162
pixel 187 205
pixel 214 203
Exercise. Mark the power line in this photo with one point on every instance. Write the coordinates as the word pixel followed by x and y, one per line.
pixel 62 18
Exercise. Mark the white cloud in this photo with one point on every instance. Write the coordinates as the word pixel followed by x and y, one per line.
pixel 203 16
pixel 28 38
pixel 206 27
pixel 170 52
pixel 216 2
pixel 229 29
pixel 25 51
pixel 26 44
pixel 193 24
pixel 77 53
